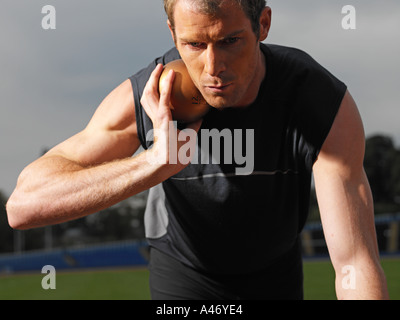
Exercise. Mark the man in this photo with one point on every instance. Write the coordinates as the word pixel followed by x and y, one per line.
pixel 215 234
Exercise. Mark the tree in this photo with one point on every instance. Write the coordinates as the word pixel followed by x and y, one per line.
pixel 6 233
pixel 395 176
pixel 378 165
pixel 382 165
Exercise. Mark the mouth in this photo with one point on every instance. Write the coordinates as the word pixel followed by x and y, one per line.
pixel 218 88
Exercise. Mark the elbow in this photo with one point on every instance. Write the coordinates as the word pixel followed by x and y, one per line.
pixel 16 224
pixel 17 206
pixel 15 218
pixel 28 206
pixel 18 214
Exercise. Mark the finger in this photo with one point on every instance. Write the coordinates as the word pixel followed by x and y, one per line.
pixel 150 97
pixel 165 94
pixel 152 84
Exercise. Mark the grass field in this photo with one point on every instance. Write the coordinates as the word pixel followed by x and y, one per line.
pixel 132 284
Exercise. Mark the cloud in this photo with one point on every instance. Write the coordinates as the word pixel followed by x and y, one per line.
pixel 52 81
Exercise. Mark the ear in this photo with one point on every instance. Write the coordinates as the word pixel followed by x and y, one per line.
pixel 265 23
pixel 172 30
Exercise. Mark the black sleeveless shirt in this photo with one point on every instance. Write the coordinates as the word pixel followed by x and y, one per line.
pixel 212 216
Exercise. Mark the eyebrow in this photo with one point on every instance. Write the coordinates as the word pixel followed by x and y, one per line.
pixel 231 35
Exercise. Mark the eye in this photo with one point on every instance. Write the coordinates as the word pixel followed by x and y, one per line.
pixel 196 45
pixel 230 41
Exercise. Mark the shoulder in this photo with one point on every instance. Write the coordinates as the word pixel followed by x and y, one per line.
pixel 312 93
pixel 298 69
pixel 344 146
pixel 295 73
pixel 289 57
pixel 283 51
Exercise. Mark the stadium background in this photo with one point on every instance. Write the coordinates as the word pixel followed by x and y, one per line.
pixel 118 269
pixel 66 72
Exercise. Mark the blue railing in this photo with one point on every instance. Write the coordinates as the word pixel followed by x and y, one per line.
pixel 101 256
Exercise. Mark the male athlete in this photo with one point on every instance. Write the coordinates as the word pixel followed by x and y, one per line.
pixel 215 234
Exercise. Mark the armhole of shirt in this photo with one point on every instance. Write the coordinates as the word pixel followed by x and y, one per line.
pixel 341 89
pixel 138 112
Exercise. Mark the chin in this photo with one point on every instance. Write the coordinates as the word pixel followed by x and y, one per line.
pixel 220 103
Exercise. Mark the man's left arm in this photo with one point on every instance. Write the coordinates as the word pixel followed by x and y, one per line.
pixel 346 207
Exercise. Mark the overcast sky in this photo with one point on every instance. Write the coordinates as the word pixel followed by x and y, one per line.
pixel 53 80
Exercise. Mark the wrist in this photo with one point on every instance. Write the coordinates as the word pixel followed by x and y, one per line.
pixel 158 158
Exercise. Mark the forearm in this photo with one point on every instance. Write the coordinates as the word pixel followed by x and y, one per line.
pixel 361 279
pixel 54 190
pixel 350 234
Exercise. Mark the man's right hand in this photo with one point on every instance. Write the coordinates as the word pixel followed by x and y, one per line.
pixel 156 105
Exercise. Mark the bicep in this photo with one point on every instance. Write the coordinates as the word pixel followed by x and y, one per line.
pixel 345 145
pixel 342 188
pixel 110 135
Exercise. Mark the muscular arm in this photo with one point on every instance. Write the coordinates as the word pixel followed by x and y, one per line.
pixel 346 207
pixel 94 169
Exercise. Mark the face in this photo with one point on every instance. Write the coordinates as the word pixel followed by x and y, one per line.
pixel 222 53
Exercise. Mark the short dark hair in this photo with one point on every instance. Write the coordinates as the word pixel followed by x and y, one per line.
pixel 252 9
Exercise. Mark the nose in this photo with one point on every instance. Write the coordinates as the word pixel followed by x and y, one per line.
pixel 214 62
